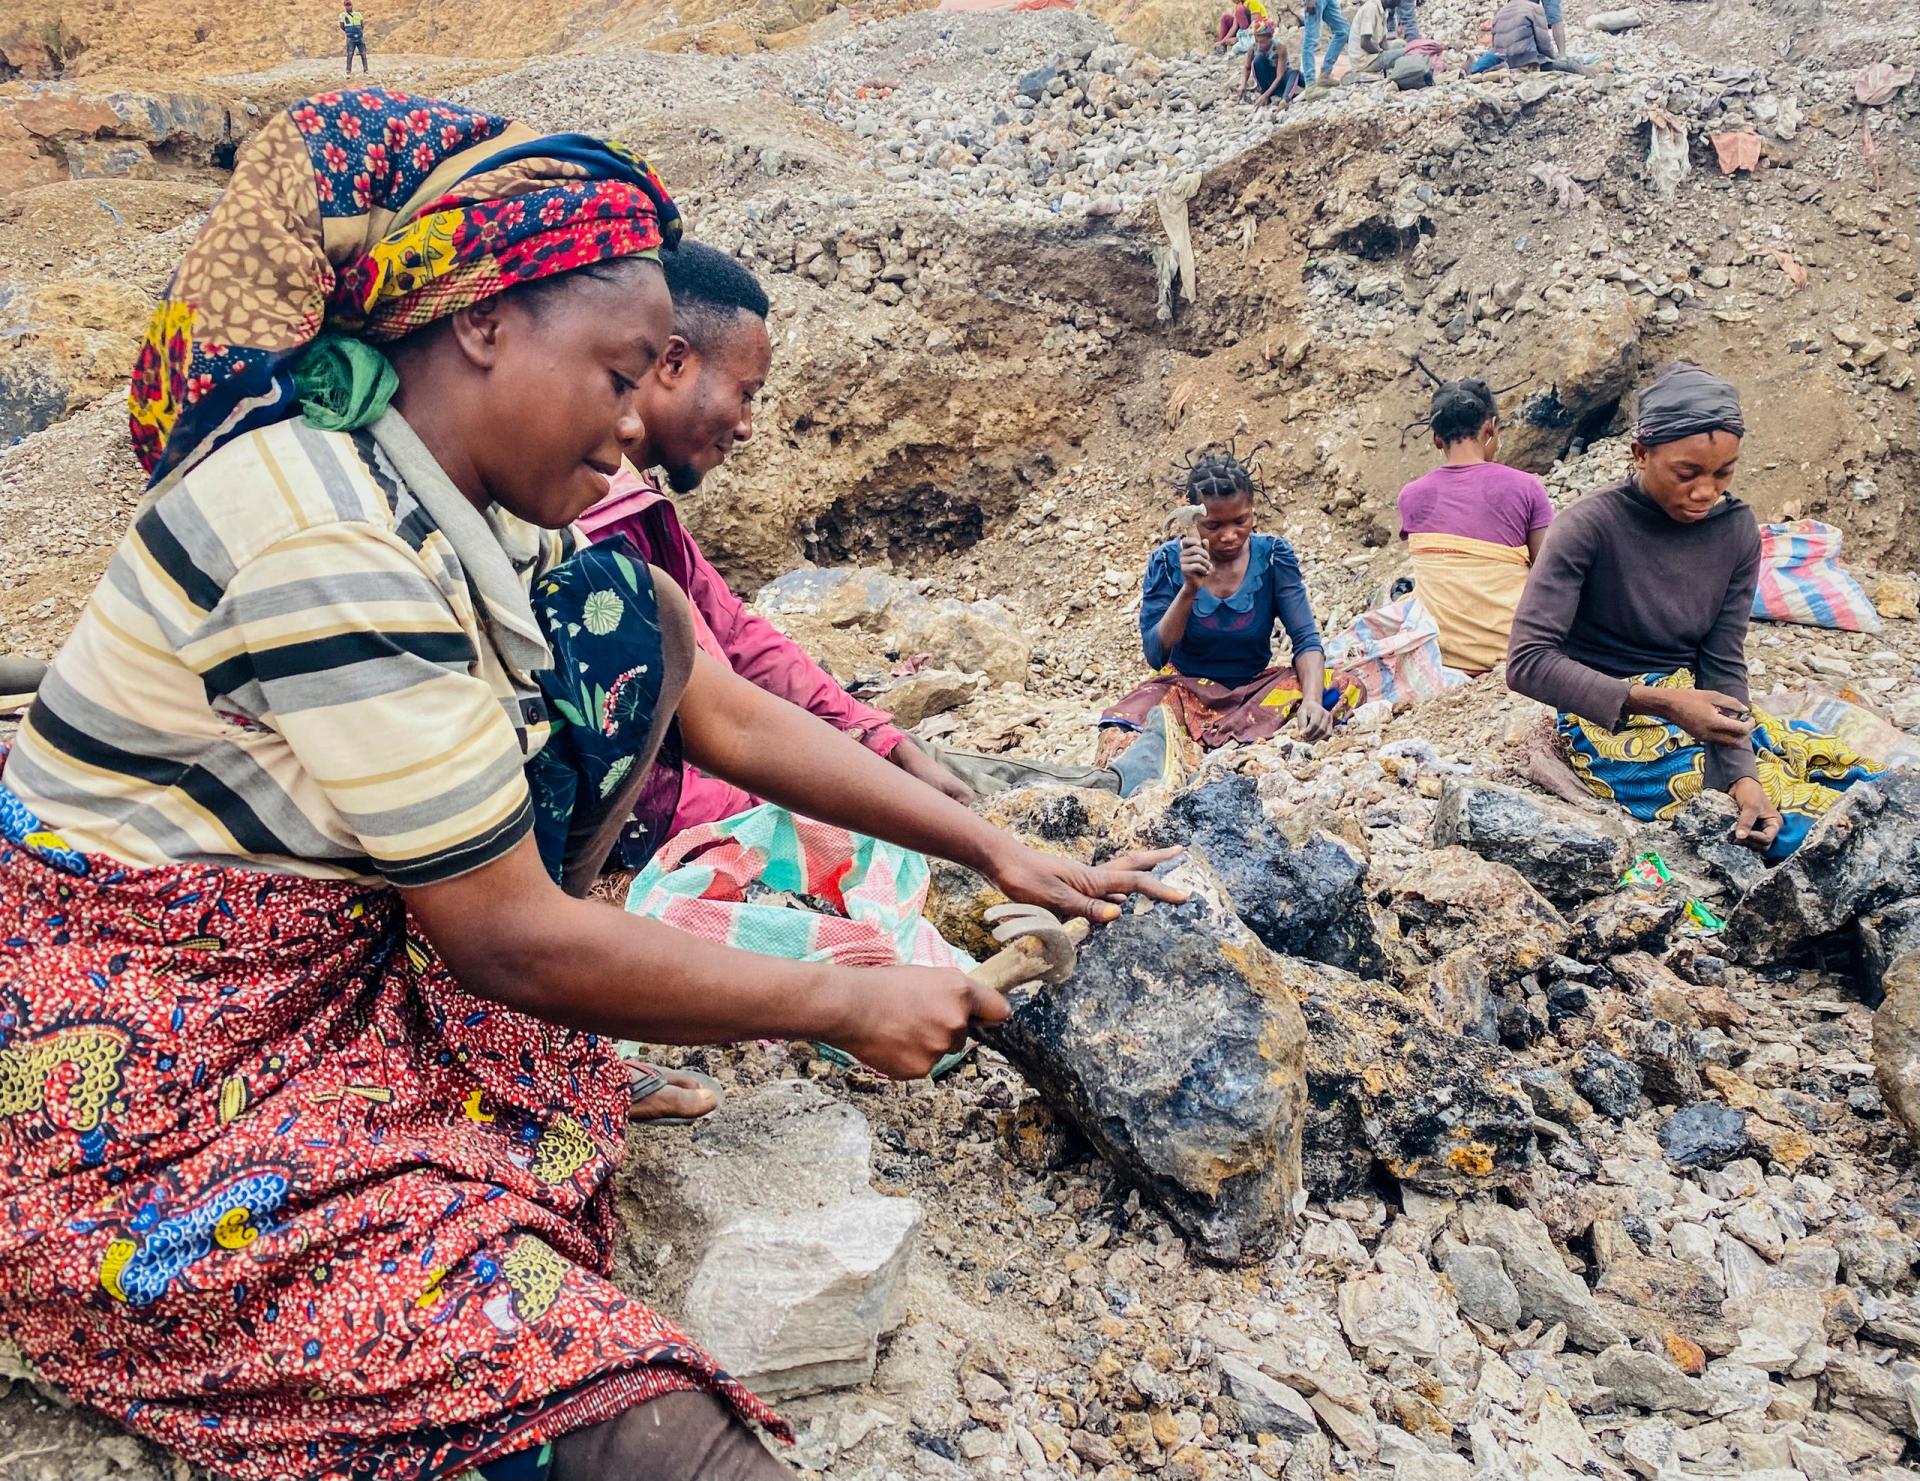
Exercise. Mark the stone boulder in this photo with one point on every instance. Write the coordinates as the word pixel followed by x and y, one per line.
pixel 62 132
pixel 1565 853
pixel 762 1234
pixel 856 622
pixel 1584 369
pixel 929 692
pixel 1885 937
pixel 974 637
pixel 1548 1291
pixel 64 344
pixel 1706 823
pixel 1454 900
pixel 1861 858
pixel 1178 1050
pixel 1896 1042
pixel 1303 893
pixel 1390 1090
pixel 109 159
pixel 1630 920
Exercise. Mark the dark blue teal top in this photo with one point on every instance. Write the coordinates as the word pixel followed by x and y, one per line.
pixel 1229 639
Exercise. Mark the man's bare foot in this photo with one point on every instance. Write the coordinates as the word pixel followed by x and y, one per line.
pixel 682 1097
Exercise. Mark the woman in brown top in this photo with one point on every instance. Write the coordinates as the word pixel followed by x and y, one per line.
pixel 1634 624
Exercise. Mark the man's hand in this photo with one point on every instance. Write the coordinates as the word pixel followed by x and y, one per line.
pixel 1759 821
pixel 1195 564
pixel 917 764
pixel 1710 717
pixel 1068 887
pixel 1314 719
pixel 901 1020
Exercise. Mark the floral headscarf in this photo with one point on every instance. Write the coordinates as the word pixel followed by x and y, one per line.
pixel 369 213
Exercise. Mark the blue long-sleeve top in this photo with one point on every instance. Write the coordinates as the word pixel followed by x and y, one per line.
pixel 1229 639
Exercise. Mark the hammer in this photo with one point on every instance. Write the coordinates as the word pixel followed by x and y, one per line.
pixel 1039 947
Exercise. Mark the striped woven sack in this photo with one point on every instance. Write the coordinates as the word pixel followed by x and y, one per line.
pixel 1394 653
pixel 1802 580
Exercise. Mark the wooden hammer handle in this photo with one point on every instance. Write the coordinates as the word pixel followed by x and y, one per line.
pixel 1023 962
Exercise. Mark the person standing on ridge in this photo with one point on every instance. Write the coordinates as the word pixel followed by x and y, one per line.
pixel 353 27
pixel 1313 13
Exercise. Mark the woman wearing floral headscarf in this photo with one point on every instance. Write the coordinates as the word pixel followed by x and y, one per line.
pixel 308 1099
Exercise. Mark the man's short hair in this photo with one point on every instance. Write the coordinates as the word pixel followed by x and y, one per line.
pixel 709 289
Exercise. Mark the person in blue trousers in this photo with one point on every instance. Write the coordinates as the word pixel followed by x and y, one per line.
pixel 1312 13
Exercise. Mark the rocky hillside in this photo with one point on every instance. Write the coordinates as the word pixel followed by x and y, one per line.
pixel 1590 1189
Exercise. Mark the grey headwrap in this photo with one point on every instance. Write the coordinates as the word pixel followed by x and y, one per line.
pixel 1685 400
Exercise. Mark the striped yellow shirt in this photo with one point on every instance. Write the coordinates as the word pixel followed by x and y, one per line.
pixel 301 660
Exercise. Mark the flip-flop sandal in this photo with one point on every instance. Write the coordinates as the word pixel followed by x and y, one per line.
pixel 650 1080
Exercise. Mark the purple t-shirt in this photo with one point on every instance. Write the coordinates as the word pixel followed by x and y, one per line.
pixel 1483 501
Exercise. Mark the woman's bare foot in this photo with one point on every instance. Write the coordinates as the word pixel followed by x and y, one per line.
pixel 682 1098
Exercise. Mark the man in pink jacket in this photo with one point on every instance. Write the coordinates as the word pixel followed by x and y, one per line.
pixel 697 403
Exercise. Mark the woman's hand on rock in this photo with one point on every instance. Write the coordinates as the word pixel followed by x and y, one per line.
pixel 1759 821
pixel 1314 719
pixel 1069 888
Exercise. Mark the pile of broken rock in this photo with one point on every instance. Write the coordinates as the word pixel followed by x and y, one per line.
pixel 1539 1180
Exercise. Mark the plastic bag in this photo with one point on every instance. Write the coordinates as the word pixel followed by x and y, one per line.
pixel 1802 580
pixel 1846 715
pixel 1394 653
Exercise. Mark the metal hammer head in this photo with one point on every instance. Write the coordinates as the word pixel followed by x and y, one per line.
pixel 1013 922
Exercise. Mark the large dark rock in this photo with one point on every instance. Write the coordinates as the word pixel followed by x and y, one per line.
pixel 1178 1049
pixel 1706 823
pixel 1391 1090
pixel 1302 896
pixel 1626 920
pixel 1885 937
pixel 1861 858
pixel 1896 1042
pixel 1564 853
pixel 1609 1083
pixel 1455 900
pixel 1670 1075
pixel 1705 1134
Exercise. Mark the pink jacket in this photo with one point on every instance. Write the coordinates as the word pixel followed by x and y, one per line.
pixel 751 646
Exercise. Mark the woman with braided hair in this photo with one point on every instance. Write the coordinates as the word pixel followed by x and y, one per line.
pixel 1209 603
pixel 314 1102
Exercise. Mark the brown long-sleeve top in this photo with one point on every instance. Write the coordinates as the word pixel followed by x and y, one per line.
pixel 1621 590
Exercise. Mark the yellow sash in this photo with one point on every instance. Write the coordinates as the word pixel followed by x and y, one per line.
pixel 1471 587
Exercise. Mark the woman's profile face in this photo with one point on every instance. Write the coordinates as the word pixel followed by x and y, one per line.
pixel 1688 477
pixel 560 410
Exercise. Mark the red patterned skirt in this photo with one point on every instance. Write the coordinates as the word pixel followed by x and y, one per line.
pixel 279 1195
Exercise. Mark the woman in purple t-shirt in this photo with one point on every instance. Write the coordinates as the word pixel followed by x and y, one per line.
pixel 1473 527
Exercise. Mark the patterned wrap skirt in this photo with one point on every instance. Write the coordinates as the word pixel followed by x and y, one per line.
pixel 280 1195
pixel 1653 768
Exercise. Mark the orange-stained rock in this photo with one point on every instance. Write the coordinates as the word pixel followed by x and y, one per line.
pixel 54 116
pixel 1685 1355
